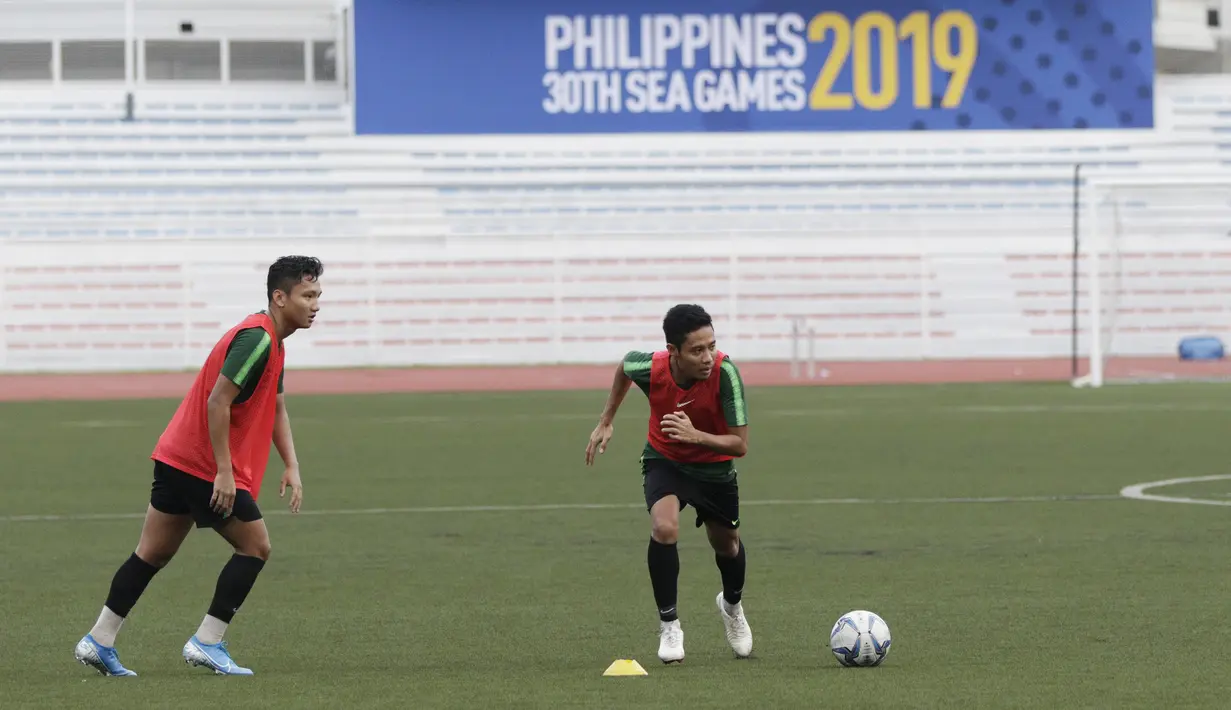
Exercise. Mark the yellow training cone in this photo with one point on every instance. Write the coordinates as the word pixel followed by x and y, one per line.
pixel 624 667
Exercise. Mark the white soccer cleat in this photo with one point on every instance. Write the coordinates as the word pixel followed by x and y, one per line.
pixel 739 635
pixel 670 642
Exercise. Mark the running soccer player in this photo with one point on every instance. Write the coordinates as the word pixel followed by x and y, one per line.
pixel 698 427
pixel 208 468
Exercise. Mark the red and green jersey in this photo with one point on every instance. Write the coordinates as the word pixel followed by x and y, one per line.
pixel 255 365
pixel 246 358
pixel 724 402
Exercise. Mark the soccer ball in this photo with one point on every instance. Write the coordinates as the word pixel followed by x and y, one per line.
pixel 860 638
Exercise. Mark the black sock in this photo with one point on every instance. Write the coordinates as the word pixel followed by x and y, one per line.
pixel 732 570
pixel 664 561
pixel 234 583
pixel 128 584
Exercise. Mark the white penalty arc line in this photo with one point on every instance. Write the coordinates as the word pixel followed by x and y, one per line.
pixel 587 506
pixel 1138 491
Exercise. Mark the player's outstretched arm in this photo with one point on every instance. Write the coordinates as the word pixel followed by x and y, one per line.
pixel 606 427
pixel 285 444
pixel 218 415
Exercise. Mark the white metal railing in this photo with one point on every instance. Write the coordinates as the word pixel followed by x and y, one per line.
pixel 869 150
pixel 159 305
pixel 253 176
pixel 918 293
pixel 105 100
pixel 317 205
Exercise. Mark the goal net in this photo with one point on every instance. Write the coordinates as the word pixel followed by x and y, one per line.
pixel 1154 296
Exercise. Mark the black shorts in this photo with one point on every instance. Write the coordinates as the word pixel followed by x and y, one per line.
pixel 177 493
pixel 716 501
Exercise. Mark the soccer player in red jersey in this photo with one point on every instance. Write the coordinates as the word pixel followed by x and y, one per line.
pixel 698 427
pixel 208 468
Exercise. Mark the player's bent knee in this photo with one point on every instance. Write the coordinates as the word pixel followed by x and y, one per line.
pixel 158 551
pixel 666 532
pixel 154 557
pixel 259 548
pixel 665 520
pixel 249 539
pixel 725 541
pixel 154 551
pixel 261 551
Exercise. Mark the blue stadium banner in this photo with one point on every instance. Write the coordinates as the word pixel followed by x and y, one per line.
pixel 619 66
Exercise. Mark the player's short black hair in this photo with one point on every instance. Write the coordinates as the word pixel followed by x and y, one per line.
pixel 683 320
pixel 290 270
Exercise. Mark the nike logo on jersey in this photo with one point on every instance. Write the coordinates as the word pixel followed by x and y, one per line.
pixel 683 404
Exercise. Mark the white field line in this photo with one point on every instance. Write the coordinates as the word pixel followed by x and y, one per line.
pixel 428 510
pixel 1138 491
pixel 819 412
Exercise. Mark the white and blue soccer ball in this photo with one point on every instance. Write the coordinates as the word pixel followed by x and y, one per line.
pixel 860 638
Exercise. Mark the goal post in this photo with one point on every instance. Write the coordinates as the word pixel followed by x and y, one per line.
pixel 1154 293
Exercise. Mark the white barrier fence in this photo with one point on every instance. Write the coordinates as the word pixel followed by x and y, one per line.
pixel 161 305
pixel 863 286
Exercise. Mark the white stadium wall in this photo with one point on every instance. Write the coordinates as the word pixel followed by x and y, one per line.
pixel 131 245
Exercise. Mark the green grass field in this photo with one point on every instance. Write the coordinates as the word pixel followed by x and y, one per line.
pixel 1063 596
